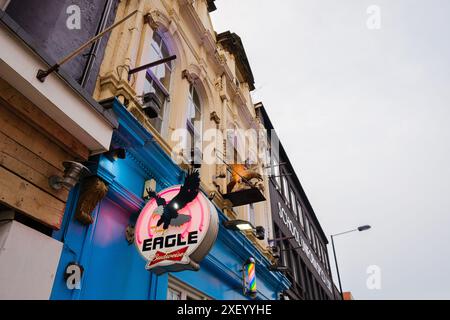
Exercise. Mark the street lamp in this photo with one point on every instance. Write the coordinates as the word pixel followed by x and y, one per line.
pixel 360 229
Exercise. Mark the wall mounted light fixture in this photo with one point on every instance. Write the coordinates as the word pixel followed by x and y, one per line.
pixel 277 267
pixel 74 171
pixel 117 153
pixel 242 225
pixel 129 234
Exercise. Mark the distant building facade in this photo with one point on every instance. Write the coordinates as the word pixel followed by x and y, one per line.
pixel 298 238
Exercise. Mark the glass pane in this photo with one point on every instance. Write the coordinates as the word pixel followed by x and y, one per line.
pixel 276 171
pixel 286 189
pixel 293 202
pixel 157 38
pixel 173 294
pixel 194 112
pixel 196 98
pixel 164 77
pixel 308 232
pixel 148 86
pixel 300 213
pixel 158 50
pixel 154 52
pixel 251 213
pixel 164 50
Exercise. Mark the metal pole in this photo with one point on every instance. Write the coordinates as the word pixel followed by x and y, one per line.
pixel 42 74
pixel 151 65
pixel 337 269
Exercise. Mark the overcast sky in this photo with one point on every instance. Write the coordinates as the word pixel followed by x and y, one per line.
pixel 364 116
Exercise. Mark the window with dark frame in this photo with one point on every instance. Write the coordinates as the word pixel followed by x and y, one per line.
pixel 293 203
pixel 308 230
pixel 276 171
pixel 286 191
pixel 300 215
pixel 157 81
pixel 194 120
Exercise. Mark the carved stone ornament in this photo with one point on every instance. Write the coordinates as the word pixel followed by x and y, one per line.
pixel 190 77
pixel 218 84
pixel 93 190
pixel 214 117
pixel 242 176
pixel 152 19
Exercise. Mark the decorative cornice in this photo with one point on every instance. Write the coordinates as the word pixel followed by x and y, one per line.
pixel 211 5
pixel 125 198
pixel 131 154
pixel 233 44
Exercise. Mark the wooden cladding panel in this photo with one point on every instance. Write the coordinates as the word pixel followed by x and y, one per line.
pixel 25 135
pixel 30 200
pixel 32 148
pixel 29 166
pixel 25 109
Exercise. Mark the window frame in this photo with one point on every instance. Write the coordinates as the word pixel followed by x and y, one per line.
pixel 307 228
pixel 286 193
pixel 185 290
pixel 300 215
pixel 151 79
pixel 194 132
pixel 251 213
pixel 276 172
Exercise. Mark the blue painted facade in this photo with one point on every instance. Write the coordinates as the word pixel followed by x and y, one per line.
pixel 113 269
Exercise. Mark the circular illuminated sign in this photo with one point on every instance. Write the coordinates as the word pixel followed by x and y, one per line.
pixel 182 242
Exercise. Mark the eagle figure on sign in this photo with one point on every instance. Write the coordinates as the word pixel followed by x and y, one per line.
pixel 169 211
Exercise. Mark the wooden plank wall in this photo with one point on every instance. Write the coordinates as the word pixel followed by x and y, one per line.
pixel 32 148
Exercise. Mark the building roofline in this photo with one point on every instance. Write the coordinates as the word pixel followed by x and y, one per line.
pixel 211 5
pixel 233 43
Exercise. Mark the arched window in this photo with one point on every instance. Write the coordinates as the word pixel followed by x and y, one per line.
pixel 194 123
pixel 157 83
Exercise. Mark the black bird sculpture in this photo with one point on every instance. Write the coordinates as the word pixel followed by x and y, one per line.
pixel 169 211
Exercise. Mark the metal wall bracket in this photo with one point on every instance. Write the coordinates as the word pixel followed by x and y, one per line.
pixel 129 234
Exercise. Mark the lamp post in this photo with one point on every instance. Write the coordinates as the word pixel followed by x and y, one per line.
pixel 360 229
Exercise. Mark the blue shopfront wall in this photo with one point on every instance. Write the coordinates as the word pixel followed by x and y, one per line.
pixel 113 269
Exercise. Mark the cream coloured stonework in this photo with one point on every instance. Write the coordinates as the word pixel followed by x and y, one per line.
pixel 187 29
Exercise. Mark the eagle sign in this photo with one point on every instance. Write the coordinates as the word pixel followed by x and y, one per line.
pixel 169 211
pixel 177 227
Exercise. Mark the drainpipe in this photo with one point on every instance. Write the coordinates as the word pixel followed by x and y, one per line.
pixel 96 46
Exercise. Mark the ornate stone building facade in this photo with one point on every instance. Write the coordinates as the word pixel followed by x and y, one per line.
pixel 209 81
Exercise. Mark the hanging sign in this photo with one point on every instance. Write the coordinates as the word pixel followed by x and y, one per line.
pixel 177 227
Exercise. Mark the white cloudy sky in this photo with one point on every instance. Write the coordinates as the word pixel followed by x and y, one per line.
pixel 364 115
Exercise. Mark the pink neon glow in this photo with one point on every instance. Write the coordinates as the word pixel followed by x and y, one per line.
pixel 148 219
pixel 202 216
pixel 186 230
pixel 140 220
